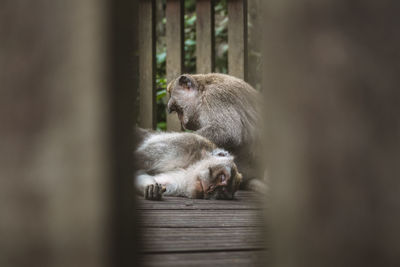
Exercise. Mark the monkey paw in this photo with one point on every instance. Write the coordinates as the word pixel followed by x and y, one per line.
pixel 154 191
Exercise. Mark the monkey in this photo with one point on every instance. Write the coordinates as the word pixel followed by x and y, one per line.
pixel 213 178
pixel 186 165
pixel 224 109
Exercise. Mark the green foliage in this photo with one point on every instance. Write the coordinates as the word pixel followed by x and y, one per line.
pixel 161 126
pixel 161 85
pixel 190 6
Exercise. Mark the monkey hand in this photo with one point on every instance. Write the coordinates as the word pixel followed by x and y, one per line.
pixel 154 191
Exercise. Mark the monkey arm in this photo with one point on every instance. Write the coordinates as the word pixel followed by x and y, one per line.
pixel 177 183
pixel 173 183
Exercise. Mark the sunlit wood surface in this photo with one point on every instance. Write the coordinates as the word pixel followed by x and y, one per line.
pixel 196 232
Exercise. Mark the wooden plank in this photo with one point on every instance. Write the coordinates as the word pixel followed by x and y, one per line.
pixel 237 38
pixel 174 41
pixel 147 63
pixel 244 200
pixel 205 36
pixel 195 218
pixel 194 239
pixel 231 258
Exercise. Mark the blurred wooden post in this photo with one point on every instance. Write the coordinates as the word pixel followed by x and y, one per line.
pixel 332 119
pixel 174 42
pixel 123 243
pixel 66 118
pixel 237 38
pixel 205 36
pixel 147 64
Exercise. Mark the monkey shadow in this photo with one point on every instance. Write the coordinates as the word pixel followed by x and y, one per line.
pixel 242 199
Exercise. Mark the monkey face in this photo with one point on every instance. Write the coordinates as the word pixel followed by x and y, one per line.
pixel 184 101
pixel 224 182
pixel 221 180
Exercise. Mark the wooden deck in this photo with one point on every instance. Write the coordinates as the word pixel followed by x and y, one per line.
pixel 196 232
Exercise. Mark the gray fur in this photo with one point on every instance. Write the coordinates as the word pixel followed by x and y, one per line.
pixel 184 164
pixel 222 108
pixel 162 152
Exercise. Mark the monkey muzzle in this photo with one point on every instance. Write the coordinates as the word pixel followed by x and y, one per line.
pixel 173 107
pixel 221 187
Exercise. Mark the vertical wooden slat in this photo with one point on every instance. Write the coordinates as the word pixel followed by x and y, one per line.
pixel 175 38
pixel 147 48
pixel 205 36
pixel 237 38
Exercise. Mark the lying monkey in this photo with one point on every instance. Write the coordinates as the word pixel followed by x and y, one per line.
pixel 184 164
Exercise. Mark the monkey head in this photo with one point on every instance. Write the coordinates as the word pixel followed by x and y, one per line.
pixel 219 177
pixel 184 100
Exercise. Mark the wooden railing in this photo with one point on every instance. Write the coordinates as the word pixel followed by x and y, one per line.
pixel 205 43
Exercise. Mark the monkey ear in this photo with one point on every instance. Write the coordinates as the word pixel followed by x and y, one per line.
pixel 187 82
pixel 169 86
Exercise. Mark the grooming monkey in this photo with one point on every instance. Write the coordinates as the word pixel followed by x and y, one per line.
pixel 184 164
pixel 224 109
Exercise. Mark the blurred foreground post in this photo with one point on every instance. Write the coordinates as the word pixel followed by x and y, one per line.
pixel 332 97
pixel 68 82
